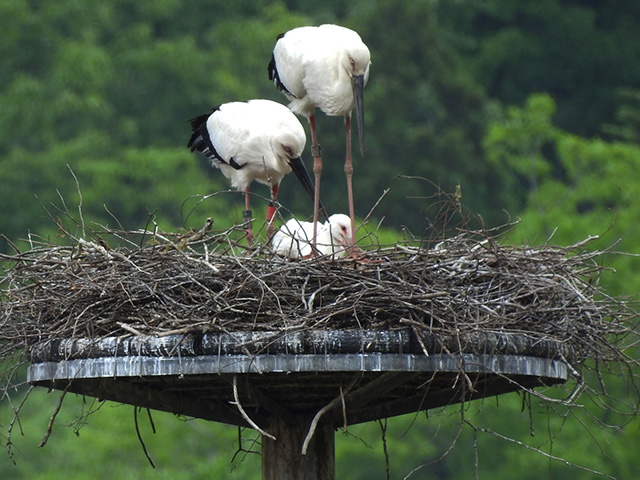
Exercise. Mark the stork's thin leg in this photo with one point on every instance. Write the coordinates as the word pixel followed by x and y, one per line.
pixel 246 217
pixel 348 170
pixel 271 210
pixel 317 170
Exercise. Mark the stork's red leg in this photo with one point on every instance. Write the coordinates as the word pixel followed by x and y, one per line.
pixel 317 170
pixel 246 217
pixel 348 170
pixel 271 210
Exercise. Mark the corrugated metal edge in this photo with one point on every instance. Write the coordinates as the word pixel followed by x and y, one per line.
pixel 308 342
pixel 142 366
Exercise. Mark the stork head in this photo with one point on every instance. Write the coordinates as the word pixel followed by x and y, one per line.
pixel 359 60
pixel 339 226
pixel 288 147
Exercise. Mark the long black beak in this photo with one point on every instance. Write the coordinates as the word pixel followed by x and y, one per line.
pixel 298 167
pixel 358 94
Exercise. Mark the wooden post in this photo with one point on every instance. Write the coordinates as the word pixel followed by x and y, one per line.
pixel 282 458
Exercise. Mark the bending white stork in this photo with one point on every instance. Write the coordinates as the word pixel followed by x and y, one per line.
pixel 325 67
pixel 294 238
pixel 255 140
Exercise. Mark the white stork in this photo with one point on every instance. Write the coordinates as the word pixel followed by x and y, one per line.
pixel 333 238
pixel 325 67
pixel 255 140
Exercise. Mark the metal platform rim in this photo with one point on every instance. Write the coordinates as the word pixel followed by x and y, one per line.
pixel 145 366
pixel 316 342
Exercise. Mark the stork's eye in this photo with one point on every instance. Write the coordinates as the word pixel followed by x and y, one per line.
pixel 344 228
pixel 287 150
pixel 352 62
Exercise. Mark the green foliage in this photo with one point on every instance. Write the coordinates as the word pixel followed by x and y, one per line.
pixel 592 190
pixel 137 72
pixel 627 115
pixel 104 444
pixel 517 142
pixel 579 52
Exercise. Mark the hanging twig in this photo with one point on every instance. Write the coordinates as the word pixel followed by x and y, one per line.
pixel 321 412
pixel 383 431
pixel 14 419
pixel 244 414
pixel 344 410
pixel 47 434
pixel 144 447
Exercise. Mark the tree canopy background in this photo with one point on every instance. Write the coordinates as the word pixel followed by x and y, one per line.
pixel 531 109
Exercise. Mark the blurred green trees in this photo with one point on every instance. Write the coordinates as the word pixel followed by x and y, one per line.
pixel 531 108
pixel 103 79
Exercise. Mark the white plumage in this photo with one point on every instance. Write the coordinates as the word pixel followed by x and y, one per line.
pixel 257 140
pixel 324 67
pixel 294 239
pixel 316 67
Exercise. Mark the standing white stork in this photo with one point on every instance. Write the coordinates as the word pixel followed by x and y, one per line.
pixel 294 238
pixel 325 67
pixel 255 140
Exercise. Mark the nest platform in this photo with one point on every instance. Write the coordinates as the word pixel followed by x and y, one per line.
pixel 301 347
pixel 374 374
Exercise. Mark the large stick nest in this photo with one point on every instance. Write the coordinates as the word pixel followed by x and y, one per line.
pixel 467 284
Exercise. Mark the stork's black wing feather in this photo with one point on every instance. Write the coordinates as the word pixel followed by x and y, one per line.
pixel 201 140
pixel 199 128
pixel 272 70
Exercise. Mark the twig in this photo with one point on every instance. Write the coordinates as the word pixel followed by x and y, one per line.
pixel 244 414
pixel 344 410
pixel 180 331
pixel 383 431
pixel 82 226
pixel 11 244
pixel 321 412
pixel 128 328
pixel 375 205
pixel 14 419
pixel 537 450
pixel 144 447
pixel 47 434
